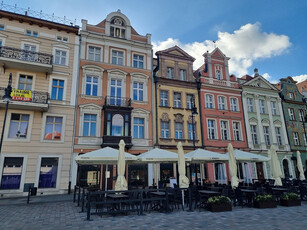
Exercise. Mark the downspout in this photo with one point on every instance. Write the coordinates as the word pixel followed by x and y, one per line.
pixel 198 82
pixel 75 116
pixel 156 96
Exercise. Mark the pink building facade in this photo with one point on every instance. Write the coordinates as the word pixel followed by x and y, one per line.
pixel 221 112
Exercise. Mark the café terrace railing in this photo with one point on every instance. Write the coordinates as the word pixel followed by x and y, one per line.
pixel 25 55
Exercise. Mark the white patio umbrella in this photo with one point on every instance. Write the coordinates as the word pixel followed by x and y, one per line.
pixel 202 155
pixel 232 167
pixel 243 156
pixel 158 155
pixel 275 167
pixel 183 180
pixel 121 183
pixel 300 165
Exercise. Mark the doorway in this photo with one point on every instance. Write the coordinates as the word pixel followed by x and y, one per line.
pixel 285 165
pixel 260 174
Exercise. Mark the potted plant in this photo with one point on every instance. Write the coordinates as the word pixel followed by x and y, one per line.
pixel 265 201
pixel 219 204
pixel 290 199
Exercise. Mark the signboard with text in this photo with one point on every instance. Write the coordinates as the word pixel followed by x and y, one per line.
pixel 21 95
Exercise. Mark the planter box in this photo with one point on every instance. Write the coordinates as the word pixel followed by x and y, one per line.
pixel 265 204
pixel 219 207
pixel 289 203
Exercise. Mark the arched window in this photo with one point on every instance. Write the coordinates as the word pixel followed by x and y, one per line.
pixel 118 28
pixel 117 125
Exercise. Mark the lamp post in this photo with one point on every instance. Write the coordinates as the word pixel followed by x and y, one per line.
pixel 6 97
pixel 194 112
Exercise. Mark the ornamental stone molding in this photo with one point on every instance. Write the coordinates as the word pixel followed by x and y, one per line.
pixel 178 117
pixel 165 117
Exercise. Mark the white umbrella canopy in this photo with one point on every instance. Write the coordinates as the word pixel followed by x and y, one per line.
pixel 121 183
pixel 300 165
pixel 242 156
pixel 275 167
pixel 158 155
pixel 105 155
pixel 232 167
pixel 201 155
pixel 183 180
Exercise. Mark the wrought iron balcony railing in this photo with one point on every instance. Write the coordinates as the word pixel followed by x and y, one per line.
pixel 25 55
pixel 118 101
pixel 36 97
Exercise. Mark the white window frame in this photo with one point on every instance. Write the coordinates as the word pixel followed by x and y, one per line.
pixel 23 172
pixel 190 123
pixel 65 87
pixel 170 72
pixel 177 102
pixel 222 102
pixel 250 104
pixel 254 133
pixel 27 74
pixel 238 130
pixel 262 106
pixel 266 135
pixel 62 49
pixel 179 131
pixel 188 102
pixel 182 74
pixel 274 108
pixel 234 106
pixel 8 121
pixel 291 114
pixel 90 122
pixel 95 48
pixel 209 102
pixel 165 129
pixel 117 74
pixel 138 60
pixel 305 139
pixel 141 78
pixel 278 136
pixel 117 57
pixel 222 129
pixel 164 99
pixel 44 128
pixel 214 128
pixel 59 172
pixel 296 139
pixel 216 179
pixel 92 71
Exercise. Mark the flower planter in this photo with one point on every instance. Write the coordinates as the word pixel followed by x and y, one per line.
pixel 265 204
pixel 219 207
pixel 289 203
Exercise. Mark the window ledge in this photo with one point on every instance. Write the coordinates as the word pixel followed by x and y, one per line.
pixel 91 97
pixel 180 140
pixel 178 108
pixel 139 102
pixel 17 139
pixel 64 66
pixel 164 106
pixel 166 139
pixel 52 141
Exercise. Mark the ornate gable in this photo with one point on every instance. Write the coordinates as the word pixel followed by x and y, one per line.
pixel 176 51
pixel 260 82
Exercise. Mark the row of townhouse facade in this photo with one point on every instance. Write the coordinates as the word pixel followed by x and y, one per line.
pixel 76 90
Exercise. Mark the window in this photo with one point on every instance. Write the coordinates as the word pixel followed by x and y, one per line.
pixel 266 133
pixel 164 129
pixel 273 106
pixel 234 104
pixel 222 103
pixel 29 53
pixel 32 33
pixel 278 136
pixel 138 91
pixel 91 85
pixel 48 172
pixel 218 72
pixel 212 129
pixel 170 72
pixel 250 105
pixel 11 174
pixel 62 39
pixel 224 130
pixel 138 61
pixel 236 131
pixel 1 43
pixel 89 125
pixel 296 138
pixel 138 128
pixel 57 89
pixel 177 100
pixel 163 98
pixel 291 114
pixel 60 57
pixel 189 101
pixel 19 125
pixel 254 134
pixel 25 82
pixel 291 95
pixel 190 131
pixel 94 53
pixel 116 92
pixel 117 124
pixel 29 47
pixel 53 129
pixel 117 57
pixel 302 117
pixel 183 75
pixel 117 28
pixel 178 130
pixel 209 101
pixel 1 27
pixel 261 106
pixel 220 173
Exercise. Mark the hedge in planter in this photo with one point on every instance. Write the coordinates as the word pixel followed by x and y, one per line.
pixel 265 201
pixel 290 199
pixel 219 204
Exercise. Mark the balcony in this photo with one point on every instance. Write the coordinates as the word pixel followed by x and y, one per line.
pixel 118 101
pixel 34 100
pixel 25 60
pixel 113 141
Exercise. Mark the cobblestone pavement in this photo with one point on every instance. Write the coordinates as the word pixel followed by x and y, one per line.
pixel 59 212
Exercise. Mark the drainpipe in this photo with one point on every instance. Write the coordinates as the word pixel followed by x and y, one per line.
pixel 155 77
pixel 198 82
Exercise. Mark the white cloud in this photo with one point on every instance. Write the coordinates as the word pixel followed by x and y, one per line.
pixel 243 46
pixel 300 78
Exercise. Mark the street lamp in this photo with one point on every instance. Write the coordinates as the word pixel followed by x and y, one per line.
pixel 194 112
pixel 6 97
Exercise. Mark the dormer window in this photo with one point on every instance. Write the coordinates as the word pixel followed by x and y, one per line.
pixel 218 72
pixel 118 28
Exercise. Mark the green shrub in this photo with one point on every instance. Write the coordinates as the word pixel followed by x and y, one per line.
pixel 290 196
pixel 219 200
pixel 266 197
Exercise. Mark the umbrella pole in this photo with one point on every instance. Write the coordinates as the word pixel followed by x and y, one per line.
pixel 106 181
pixel 182 193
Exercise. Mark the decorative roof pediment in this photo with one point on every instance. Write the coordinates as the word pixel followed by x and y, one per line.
pixel 265 121
pixel 218 53
pixel 176 51
pixel 260 82
pixel 90 106
pixel 140 111
pixel 277 122
pixel 253 120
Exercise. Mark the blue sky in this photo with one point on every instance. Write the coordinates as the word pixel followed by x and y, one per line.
pixel 267 34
